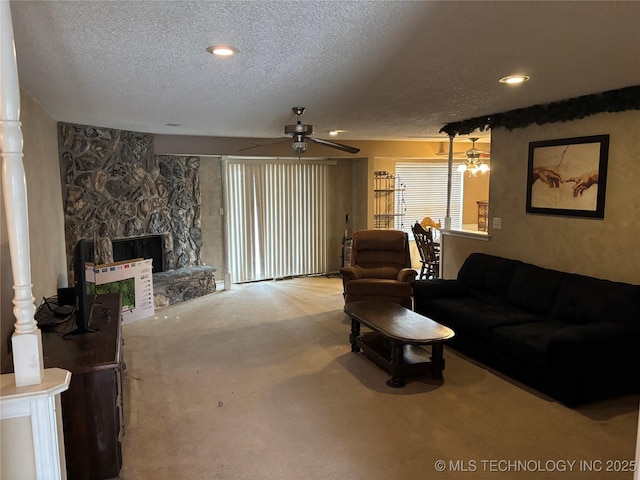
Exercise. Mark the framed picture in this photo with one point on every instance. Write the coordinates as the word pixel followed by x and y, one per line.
pixel 568 176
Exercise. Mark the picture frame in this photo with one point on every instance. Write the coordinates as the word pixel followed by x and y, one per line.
pixel 568 176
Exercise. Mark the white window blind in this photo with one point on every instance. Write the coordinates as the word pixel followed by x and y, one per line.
pixel 277 219
pixel 425 193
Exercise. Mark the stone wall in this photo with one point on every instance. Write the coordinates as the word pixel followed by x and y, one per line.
pixel 114 186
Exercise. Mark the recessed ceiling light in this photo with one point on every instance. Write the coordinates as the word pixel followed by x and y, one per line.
pixel 514 79
pixel 222 50
pixel 333 133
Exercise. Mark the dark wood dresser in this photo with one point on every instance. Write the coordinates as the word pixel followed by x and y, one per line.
pixel 92 408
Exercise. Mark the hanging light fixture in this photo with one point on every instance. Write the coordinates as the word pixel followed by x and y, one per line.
pixel 299 145
pixel 474 162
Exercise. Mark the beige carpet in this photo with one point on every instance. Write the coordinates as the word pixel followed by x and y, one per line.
pixel 258 382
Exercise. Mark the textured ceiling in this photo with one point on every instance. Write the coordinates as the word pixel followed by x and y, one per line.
pixel 378 69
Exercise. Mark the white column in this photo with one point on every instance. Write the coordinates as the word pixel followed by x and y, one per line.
pixel 225 221
pixel 26 340
pixel 447 218
pixel 41 404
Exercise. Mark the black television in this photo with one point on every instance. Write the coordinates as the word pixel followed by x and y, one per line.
pixel 85 286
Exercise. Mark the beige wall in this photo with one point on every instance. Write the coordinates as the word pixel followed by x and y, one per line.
pixel 210 205
pixel 606 248
pixel 17 449
pixel 46 223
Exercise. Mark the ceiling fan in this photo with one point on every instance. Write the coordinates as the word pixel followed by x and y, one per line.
pixel 300 132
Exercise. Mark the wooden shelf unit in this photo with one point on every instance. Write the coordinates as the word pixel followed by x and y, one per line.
pixel 92 408
pixel 386 188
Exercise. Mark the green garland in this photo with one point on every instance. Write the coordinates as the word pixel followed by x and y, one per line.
pixel 572 109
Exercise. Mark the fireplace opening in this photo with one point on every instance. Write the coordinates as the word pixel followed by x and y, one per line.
pixel 148 246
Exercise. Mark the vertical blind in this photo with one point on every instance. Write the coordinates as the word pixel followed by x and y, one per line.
pixel 277 219
pixel 425 193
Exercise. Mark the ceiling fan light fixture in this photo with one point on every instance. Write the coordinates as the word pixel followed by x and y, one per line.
pixel 299 146
pixel 474 162
pixel 222 50
pixel 514 79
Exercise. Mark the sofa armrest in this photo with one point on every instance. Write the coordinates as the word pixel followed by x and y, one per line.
pixel 407 275
pixel 438 288
pixel 593 360
pixel 350 273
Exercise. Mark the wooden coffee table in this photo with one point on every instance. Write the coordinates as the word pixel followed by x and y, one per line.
pixel 395 343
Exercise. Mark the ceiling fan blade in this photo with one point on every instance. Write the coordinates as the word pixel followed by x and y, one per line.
pixel 263 145
pixel 338 146
pixel 444 151
pixel 474 152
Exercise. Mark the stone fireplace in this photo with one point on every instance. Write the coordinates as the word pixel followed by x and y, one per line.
pixel 115 188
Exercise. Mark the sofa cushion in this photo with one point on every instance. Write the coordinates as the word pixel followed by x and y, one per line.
pixel 529 341
pixel 582 300
pixel 468 314
pixel 595 337
pixel 487 273
pixel 534 288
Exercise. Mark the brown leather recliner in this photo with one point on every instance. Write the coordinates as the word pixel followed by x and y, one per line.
pixel 380 269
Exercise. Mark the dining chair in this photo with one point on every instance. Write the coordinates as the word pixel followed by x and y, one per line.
pixel 429 254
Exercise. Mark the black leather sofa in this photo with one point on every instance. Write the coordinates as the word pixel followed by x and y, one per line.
pixel 573 337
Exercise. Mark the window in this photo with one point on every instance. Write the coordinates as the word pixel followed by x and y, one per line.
pixel 277 218
pixel 425 194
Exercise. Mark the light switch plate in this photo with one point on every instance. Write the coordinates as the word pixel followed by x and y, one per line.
pixel 497 223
